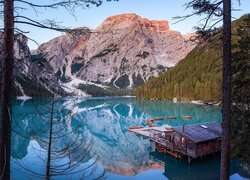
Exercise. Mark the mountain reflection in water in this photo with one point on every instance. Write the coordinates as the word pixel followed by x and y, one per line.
pixel 104 123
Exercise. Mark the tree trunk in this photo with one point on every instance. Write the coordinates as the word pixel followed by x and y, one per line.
pixel 6 91
pixel 226 91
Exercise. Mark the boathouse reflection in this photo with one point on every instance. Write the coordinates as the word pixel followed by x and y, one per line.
pixel 205 169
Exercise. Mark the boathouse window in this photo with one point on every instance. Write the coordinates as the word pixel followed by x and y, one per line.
pixel 169 138
pixel 177 140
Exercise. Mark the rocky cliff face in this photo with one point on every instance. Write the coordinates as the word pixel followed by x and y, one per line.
pixel 124 51
pixel 21 52
pixel 63 51
pixel 32 77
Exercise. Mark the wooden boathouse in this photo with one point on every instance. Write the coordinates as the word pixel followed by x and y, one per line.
pixel 193 141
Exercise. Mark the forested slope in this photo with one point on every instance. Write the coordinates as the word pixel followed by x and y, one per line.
pixel 197 76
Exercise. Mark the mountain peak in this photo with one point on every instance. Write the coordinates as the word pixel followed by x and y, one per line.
pixel 126 51
pixel 157 25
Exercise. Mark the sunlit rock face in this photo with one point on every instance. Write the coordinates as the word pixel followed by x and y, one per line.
pixel 124 51
pixel 154 25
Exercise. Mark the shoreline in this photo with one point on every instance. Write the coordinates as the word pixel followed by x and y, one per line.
pixel 195 102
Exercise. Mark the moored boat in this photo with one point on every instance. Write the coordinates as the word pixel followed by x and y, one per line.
pixel 172 117
pixel 186 117
pixel 136 127
pixel 158 118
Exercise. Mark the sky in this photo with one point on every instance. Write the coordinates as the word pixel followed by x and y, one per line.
pixel 94 16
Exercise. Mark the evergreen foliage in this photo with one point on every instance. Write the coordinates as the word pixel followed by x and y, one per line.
pixel 241 93
pixel 197 76
pixel 97 91
pixel 32 87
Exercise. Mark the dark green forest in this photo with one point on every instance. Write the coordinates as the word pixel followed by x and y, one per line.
pixel 241 93
pixel 199 74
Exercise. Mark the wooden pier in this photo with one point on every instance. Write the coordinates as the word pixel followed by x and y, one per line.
pixel 146 131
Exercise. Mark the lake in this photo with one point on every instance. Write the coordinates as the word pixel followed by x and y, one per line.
pixel 90 139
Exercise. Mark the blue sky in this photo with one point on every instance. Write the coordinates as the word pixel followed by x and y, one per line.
pixel 94 16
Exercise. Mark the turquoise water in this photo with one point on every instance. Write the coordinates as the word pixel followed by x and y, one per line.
pixel 90 139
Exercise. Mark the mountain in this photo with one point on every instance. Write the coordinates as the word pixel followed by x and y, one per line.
pixel 123 52
pixel 199 74
pixel 31 77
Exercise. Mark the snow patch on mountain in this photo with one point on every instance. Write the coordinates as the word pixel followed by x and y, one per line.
pixel 71 87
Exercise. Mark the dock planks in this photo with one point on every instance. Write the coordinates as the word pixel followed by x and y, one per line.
pixel 146 131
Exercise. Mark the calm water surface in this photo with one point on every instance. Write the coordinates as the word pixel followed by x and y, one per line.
pixel 91 134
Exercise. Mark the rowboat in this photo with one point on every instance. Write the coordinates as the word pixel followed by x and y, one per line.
pixel 186 117
pixel 172 117
pixel 136 127
pixel 158 118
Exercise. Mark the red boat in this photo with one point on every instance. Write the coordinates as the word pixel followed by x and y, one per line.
pixel 158 119
pixel 172 117
pixel 186 117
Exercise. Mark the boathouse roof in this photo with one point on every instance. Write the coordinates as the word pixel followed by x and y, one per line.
pixel 200 132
